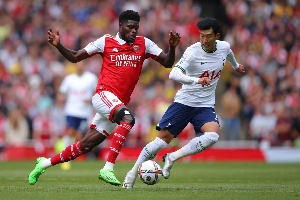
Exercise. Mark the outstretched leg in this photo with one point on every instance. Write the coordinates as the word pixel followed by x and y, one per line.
pixel 194 146
pixel 149 152
pixel 91 139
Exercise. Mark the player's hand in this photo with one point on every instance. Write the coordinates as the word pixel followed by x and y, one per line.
pixel 54 38
pixel 204 81
pixel 241 69
pixel 174 39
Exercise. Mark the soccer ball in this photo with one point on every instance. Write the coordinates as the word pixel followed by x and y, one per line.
pixel 150 172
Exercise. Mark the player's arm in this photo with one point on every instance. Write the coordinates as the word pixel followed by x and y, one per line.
pixel 167 60
pixel 231 59
pixel 177 74
pixel 70 55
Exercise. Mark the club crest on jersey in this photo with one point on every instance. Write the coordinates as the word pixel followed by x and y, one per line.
pixel 115 100
pixel 136 48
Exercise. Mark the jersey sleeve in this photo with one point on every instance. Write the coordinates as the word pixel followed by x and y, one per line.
pixel 96 47
pixel 178 72
pixel 177 75
pixel 186 60
pixel 231 59
pixel 152 50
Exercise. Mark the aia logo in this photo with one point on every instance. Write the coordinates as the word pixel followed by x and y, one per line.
pixel 115 100
pixel 211 76
pixel 136 48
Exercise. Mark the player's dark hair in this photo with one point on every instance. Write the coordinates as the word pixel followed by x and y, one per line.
pixel 209 22
pixel 129 15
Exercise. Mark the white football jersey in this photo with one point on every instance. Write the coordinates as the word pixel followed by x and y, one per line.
pixel 197 63
pixel 78 89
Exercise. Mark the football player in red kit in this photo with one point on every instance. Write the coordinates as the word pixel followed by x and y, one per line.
pixel 123 56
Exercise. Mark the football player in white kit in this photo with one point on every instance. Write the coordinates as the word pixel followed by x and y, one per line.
pixel 78 89
pixel 199 71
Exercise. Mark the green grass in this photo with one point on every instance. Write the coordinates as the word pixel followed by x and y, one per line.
pixel 194 180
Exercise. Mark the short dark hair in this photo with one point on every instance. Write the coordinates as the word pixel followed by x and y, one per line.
pixel 129 15
pixel 209 22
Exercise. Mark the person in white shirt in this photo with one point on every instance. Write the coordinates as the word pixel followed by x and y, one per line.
pixel 78 89
pixel 199 71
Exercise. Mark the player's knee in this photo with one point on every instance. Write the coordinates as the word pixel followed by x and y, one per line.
pixel 213 137
pixel 125 115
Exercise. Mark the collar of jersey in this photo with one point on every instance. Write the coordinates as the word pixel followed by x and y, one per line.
pixel 210 51
pixel 121 41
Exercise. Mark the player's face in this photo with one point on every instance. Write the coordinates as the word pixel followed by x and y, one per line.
pixel 208 39
pixel 80 68
pixel 128 30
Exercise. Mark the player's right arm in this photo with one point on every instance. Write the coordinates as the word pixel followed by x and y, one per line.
pixel 178 73
pixel 70 55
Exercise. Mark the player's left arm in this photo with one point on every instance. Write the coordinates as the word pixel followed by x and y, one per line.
pixel 231 59
pixel 167 60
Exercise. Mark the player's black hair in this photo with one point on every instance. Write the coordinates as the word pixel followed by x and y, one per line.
pixel 129 15
pixel 209 22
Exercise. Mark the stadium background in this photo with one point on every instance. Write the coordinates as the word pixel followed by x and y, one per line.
pixel 264 35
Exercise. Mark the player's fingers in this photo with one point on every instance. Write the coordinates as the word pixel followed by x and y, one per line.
pixel 207 81
pixel 203 82
pixel 57 31
pixel 50 31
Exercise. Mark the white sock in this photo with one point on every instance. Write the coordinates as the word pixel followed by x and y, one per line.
pixel 149 152
pixel 46 163
pixel 195 145
pixel 108 166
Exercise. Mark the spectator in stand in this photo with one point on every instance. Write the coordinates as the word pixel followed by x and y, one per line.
pixel 296 127
pixel 262 126
pixel 16 129
pixel 232 105
pixel 283 127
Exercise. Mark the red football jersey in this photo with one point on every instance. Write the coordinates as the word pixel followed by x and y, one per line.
pixel 122 63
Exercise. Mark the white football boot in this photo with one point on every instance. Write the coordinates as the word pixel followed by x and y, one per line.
pixel 168 165
pixel 129 180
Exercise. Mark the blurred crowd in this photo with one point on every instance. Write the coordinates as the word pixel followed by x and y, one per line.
pixel 262 105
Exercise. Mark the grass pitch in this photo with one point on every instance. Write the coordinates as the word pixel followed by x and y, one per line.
pixel 195 180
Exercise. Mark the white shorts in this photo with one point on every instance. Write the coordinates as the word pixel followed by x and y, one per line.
pixel 104 104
